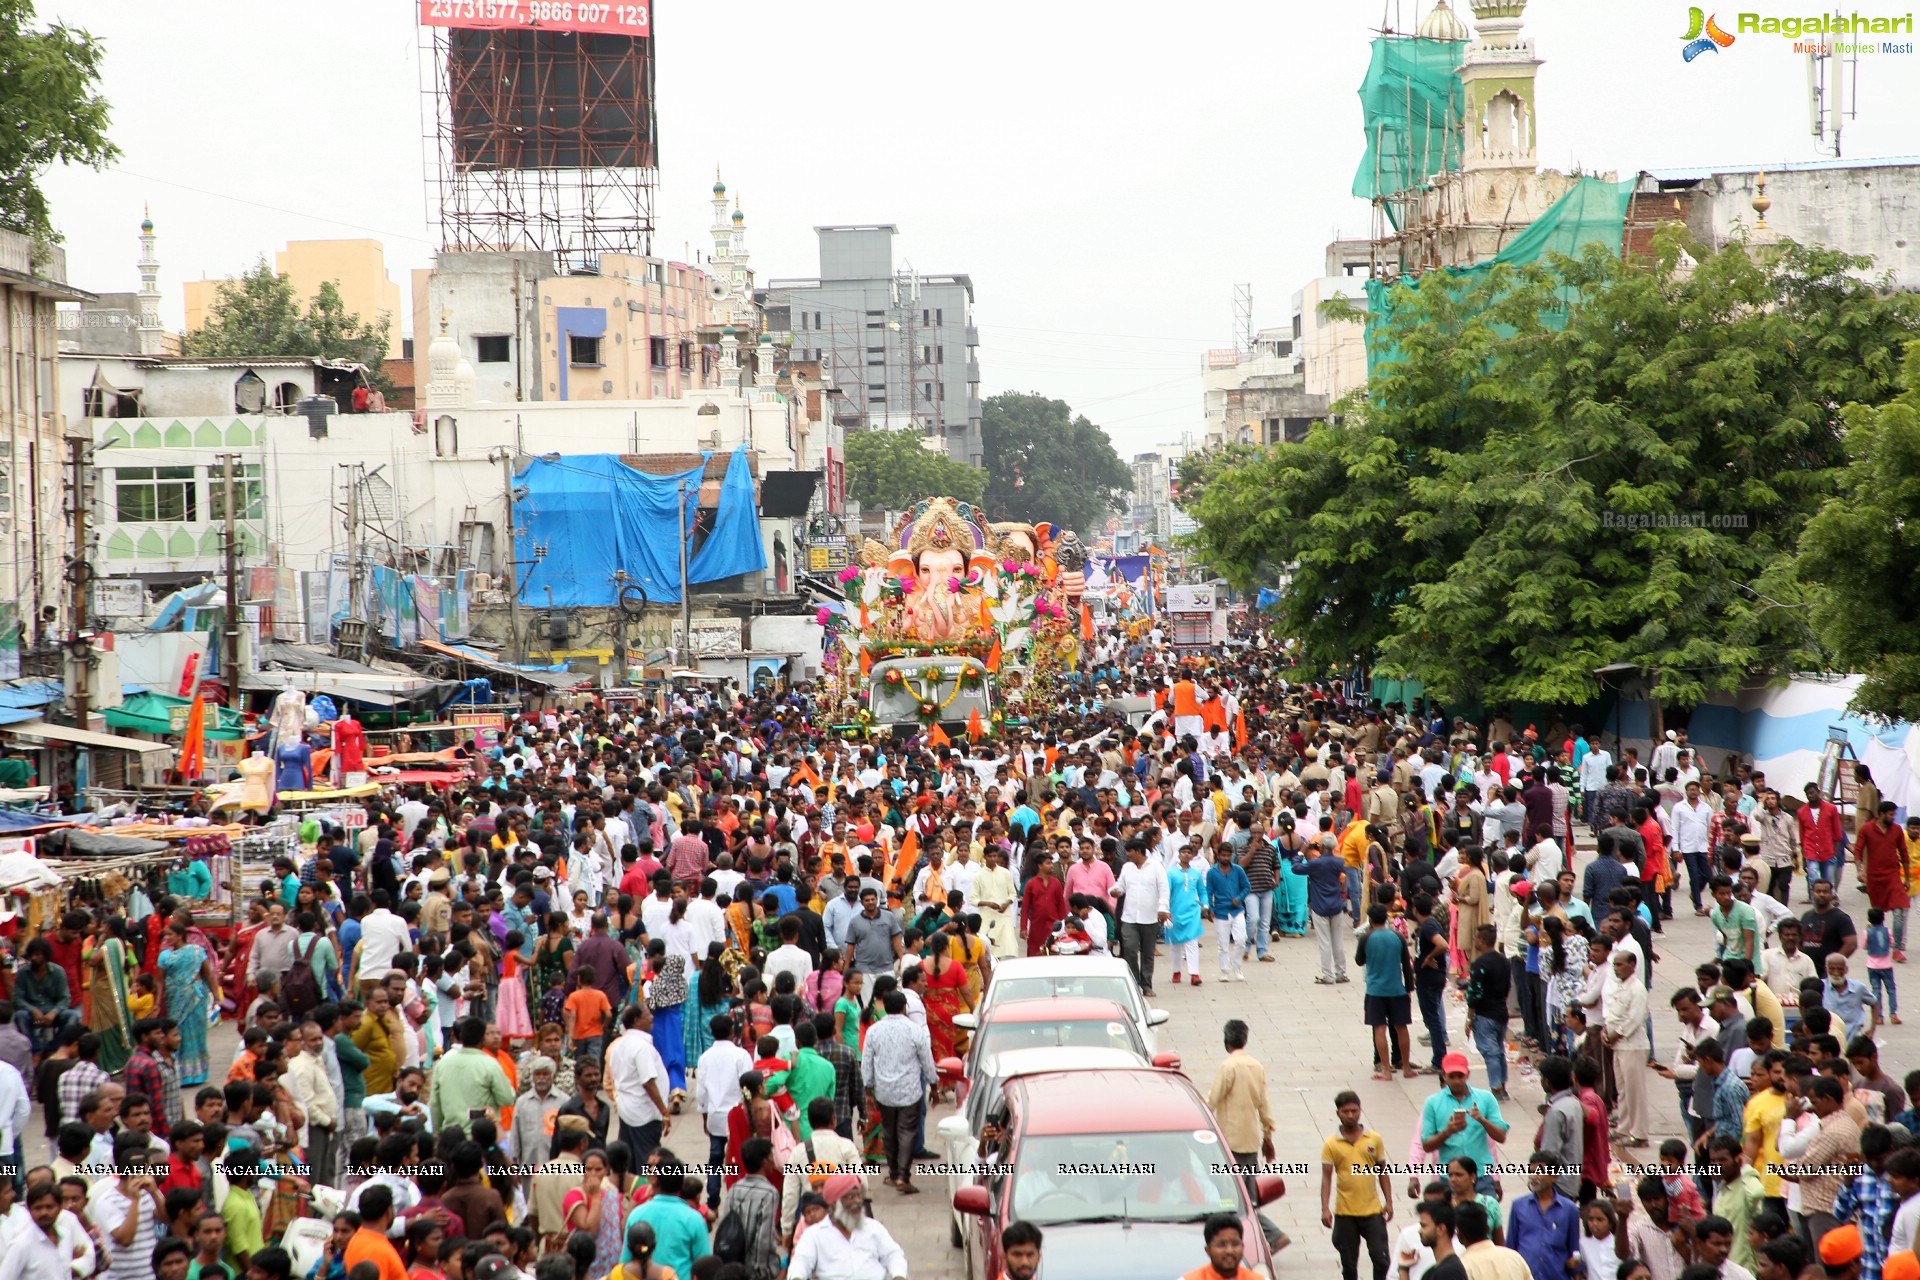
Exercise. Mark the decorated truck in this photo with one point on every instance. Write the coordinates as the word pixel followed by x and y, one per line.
pixel 955 623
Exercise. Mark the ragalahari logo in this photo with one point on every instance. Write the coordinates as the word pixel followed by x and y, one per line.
pixel 1703 35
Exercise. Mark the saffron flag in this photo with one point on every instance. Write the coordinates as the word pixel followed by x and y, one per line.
pixel 993 656
pixel 903 861
pixel 937 737
pixel 1086 621
pixel 975 730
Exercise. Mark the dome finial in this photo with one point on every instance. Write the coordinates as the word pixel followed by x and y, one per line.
pixel 1761 204
pixel 1442 23
pixel 719 187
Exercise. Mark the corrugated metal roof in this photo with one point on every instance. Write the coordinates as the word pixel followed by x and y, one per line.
pixel 1784 166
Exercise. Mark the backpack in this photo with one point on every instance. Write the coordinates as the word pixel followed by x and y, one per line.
pixel 730 1238
pixel 300 990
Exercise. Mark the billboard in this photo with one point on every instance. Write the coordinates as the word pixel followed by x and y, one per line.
pixel 634 19
pixel 547 98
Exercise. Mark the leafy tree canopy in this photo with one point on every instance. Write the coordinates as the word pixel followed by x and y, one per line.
pixel 1565 469
pixel 1044 462
pixel 259 315
pixel 1858 555
pixel 51 112
pixel 892 470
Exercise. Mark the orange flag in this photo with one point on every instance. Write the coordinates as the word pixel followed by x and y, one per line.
pixel 1240 727
pixel 1053 753
pixel 1086 621
pixel 937 737
pixel 866 663
pixel 986 614
pixel 806 774
pixel 909 850
pixel 993 655
pixel 975 730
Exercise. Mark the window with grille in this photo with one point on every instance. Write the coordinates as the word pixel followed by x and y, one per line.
pixel 155 495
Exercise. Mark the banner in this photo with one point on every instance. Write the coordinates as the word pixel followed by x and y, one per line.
pixel 487 727
pixel 632 19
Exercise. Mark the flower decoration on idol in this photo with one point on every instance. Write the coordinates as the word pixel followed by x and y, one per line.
pixel 894 676
pixel 850 574
pixel 824 616
pixel 929 710
pixel 954 585
pixel 930 672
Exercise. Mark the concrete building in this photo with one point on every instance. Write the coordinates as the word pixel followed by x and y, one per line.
pixel 1865 206
pixel 357 268
pixel 34 449
pixel 635 328
pixel 431 486
pixel 1257 396
pixel 1150 511
pixel 901 343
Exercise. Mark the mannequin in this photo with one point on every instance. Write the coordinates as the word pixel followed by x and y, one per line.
pixel 256 783
pixel 295 762
pixel 349 751
pixel 289 717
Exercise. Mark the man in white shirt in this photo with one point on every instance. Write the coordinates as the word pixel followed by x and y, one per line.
pixel 37 1249
pixel 960 874
pixel 1141 893
pixel 789 956
pixel 131 1214
pixel 1593 776
pixel 1690 825
pixel 1787 965
pixel 708 921
pixel 725 879
pixel 716 1093
pixel 848 1245
pixel 637 1079
pixel 383 935
pixel 1544 860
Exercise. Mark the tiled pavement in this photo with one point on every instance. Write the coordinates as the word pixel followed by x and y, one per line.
pixel 1313 1044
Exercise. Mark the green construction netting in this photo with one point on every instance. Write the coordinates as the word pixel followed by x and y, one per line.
pixel 1412 103
pixel 1593 212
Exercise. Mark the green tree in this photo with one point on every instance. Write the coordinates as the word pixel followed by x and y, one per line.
pixel 51 112
pixel 259 315
pixel 1858 555
pixel 1631 489
pixel 892 470
pixel 1044 462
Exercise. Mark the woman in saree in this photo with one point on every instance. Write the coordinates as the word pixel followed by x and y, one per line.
pixel 192 990
pixel 945 992
pixel 740 914
pixel 109 966
pixel 708 1001
pixel 969 950
pixel 1290 908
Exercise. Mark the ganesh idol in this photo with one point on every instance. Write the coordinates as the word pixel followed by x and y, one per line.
pixel 941 543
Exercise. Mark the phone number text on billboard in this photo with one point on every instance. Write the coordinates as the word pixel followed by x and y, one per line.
pixel 550 15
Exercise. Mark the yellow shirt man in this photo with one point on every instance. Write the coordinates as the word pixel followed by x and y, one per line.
pixel 1762 1117
pixel 1358 1170
pixel 1353 843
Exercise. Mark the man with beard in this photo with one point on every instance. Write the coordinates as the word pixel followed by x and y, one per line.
pixel 1020 1251
pixel 858 1248
pixel 405 1101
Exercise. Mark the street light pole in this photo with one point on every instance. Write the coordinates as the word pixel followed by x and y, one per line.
pixel 505 458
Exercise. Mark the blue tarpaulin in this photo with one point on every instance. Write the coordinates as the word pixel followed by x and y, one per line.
pixel 593 514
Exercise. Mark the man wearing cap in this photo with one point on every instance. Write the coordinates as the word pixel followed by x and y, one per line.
pixel 1840 1251
pixel 1461 1120
pixel 856 1248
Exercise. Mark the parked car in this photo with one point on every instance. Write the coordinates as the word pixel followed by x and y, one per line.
pixel 1118 1167
pixel 1063 977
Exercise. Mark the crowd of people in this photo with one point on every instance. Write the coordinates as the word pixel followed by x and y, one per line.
pixel 474 1031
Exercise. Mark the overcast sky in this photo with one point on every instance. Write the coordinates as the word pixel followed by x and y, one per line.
pixel 1106 172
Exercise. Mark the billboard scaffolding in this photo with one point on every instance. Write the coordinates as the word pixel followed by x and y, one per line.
pixel 541 131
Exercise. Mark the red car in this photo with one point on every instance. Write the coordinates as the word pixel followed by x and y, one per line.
pixel 1119 1168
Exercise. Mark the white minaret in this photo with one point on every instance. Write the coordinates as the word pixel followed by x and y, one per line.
pixel 1498 76
pixel 763 375
pixel 737 259
pixel 151 333
pixel 718 267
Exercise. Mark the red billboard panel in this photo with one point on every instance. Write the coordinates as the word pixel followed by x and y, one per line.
pixel 629 19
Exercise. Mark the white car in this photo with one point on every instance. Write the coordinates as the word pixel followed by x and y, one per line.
pixel 958 1135
pixel 1054 977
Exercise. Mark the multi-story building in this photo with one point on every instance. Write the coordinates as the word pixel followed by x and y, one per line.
pixel 357 268
pixel 1257 396
pixel 34 452
pixel 901 344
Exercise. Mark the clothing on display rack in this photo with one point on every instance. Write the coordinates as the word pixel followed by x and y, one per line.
pixel 295 767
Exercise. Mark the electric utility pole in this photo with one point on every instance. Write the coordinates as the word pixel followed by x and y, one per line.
pixel 230 656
